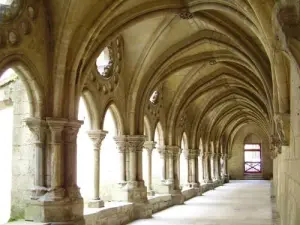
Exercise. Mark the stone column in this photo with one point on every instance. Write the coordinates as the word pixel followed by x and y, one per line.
pixel 218 166
pixel 186 157
pixel 38 129
pixel 135 145
pixel 62 204
pixel 177 197
pixel 57 191
pixel 176 158
pixel 121 146
pixel 170 160
pixel 149 146
pixel 96 136
pixel 162 154
pixel 201 167
pixel 226 168
pixel 192 156
pixel 213 168
pixel 207 158
pixel 70 156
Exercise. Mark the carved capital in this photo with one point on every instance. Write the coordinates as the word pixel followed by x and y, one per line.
pixel 135 143
pixel 97 136
pixel 149 145
pixel 121 143
pixel 56 126
pixel 193 153
pixel 71 131
pixel 38 129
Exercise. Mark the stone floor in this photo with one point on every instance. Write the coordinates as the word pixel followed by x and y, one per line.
pixel 236 203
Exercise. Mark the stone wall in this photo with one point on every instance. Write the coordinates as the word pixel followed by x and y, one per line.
pixel 160 202
pixel 236 162
pixel 287 164
pixel 110 215
pixel 22 154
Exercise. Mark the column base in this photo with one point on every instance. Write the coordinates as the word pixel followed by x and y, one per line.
pixel 65 211
pixel 226 179
pixel 177 197
pixel 96 203
pixel 142 210
pixel 134 191
pixel 209 185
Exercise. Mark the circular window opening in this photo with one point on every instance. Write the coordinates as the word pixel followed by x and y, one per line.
pixel 104 62
pixel 9 9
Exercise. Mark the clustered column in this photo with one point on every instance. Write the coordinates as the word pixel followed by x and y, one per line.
pixel 162 154
pixel 226 168
pixel 201 167
pixel 149 146
pixel 97 136
pixel 207 158
pixel 70 158
pixel 213 168
pixel 187 157
pixel 122 150
pixel 38 129
pixel 193 155
pixel 176 158
pixel 57 191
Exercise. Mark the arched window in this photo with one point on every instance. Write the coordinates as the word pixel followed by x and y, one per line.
pixel 85 170
pixel 252 154
pixel 109 158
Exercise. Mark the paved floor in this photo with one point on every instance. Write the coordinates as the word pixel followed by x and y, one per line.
pixel 236 203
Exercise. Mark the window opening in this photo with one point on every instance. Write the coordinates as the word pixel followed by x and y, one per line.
pixel 252 155
pixel 104 62
pixel 154 97
pixel 6 2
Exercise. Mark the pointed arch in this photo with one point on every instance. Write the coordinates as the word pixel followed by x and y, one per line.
pixel 30 78
pixel 91 109
pixel 184 141
pixel 117 118
pixel 159 134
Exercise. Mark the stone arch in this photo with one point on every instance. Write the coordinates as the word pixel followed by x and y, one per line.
pixel 117 117
pixel 159 134
pixel 91 108
pixel 26 100
pixel 29 76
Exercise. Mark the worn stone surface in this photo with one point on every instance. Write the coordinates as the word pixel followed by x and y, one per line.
pixel 240 202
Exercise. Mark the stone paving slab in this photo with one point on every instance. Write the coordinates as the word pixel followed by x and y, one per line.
pixel 236 203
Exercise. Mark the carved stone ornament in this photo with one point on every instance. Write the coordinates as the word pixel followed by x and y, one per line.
pixel 97 136
pixel 9 10
pixel 24 27
pixel 12 38
pixel 185 14
pixel 154 97
pixel 282 125
pixel 31 12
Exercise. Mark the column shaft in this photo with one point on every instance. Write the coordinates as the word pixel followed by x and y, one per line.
pixel 96 136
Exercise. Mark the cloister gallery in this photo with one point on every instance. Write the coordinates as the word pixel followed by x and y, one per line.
pixel 113 110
